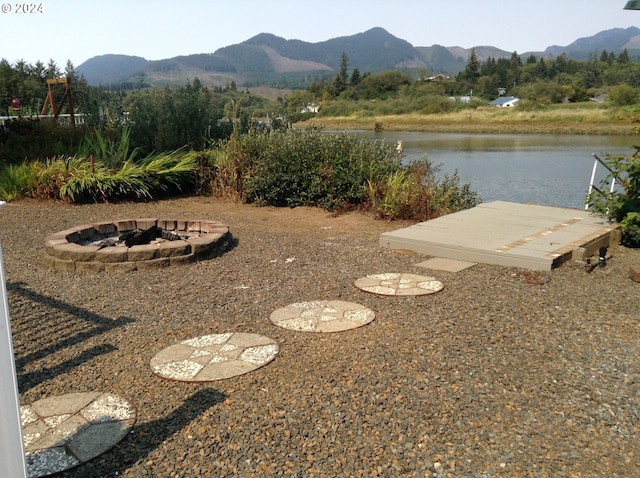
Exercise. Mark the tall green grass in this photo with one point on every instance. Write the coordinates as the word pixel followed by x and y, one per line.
pixel 113 152
pixel 151 178
pixel 16 181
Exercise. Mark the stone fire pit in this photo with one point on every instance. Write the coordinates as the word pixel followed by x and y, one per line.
pixel 135 244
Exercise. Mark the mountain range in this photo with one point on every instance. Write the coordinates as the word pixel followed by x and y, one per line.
pixel 269 60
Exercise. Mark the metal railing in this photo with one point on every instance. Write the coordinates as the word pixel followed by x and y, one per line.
pixel 592 186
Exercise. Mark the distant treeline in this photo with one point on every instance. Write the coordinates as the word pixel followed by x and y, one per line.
pixel 193 115
pixel 158 119
pixel 536 80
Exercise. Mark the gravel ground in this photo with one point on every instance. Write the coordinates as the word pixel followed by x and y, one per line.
pixel 493 376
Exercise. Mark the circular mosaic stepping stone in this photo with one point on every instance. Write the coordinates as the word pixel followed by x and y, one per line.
pixel 322 316
pixel 399 284
pixel 64 431
pixel 214 357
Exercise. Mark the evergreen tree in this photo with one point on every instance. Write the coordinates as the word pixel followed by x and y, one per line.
pixel 541 69
pixel 472 70
pixel 340 81
pixel 606 57
pixel 39 70
pixel 591 75
pixel 561 63
pixel 488 67
pixel 355 77
pixel 515 67
pixel 515 60
pixel 8 85
pixel 623 58
pixel 70 72
pixel 52 70
pixel 22 68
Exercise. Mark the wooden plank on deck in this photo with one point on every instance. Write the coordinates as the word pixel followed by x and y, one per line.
pixel 530 236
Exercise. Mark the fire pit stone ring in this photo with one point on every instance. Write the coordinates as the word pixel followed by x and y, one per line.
pixel 135 244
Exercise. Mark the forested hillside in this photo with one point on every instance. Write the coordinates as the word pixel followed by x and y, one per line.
pixel 269 60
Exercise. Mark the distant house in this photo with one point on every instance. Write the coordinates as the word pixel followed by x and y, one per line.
pixel 439 77
pixel 505 102
pixel 310 108
pixel 599 99
pixel 461 99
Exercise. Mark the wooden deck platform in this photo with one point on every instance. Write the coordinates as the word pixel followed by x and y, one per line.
pixel 529 236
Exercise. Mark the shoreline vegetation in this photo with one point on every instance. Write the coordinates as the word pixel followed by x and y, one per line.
pixel 569 119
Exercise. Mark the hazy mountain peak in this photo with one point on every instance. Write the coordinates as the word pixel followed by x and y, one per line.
pixel 110 68
pixel 613 40
pixel 266 59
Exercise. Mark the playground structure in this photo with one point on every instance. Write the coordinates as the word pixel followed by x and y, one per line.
pixel 50 100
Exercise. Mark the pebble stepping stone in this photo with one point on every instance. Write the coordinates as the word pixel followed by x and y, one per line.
pixel 322 316
pixel 399 284
pixel 214 357
pixel 65 431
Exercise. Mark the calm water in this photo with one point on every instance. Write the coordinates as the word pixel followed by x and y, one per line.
pixel 544 169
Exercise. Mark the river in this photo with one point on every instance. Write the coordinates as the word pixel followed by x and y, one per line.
pixel 553 170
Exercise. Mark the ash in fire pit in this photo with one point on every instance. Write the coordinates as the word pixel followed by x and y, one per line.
pixel 135 244
pixel 135 238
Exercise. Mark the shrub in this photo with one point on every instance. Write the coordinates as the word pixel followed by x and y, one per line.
pixel 624 201
pixel 335 171
pixel 622 95
pixel 35 138
pixel 630 228
pixel 438 104
pixel 294 168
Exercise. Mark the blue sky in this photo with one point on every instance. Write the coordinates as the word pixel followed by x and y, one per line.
pixel 77 30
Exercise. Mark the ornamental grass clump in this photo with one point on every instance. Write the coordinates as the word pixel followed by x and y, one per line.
pixel 38 179
pixel 417 192
pixel 16 181
pixel 111 152
pixel 153 177
pixel 82 180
